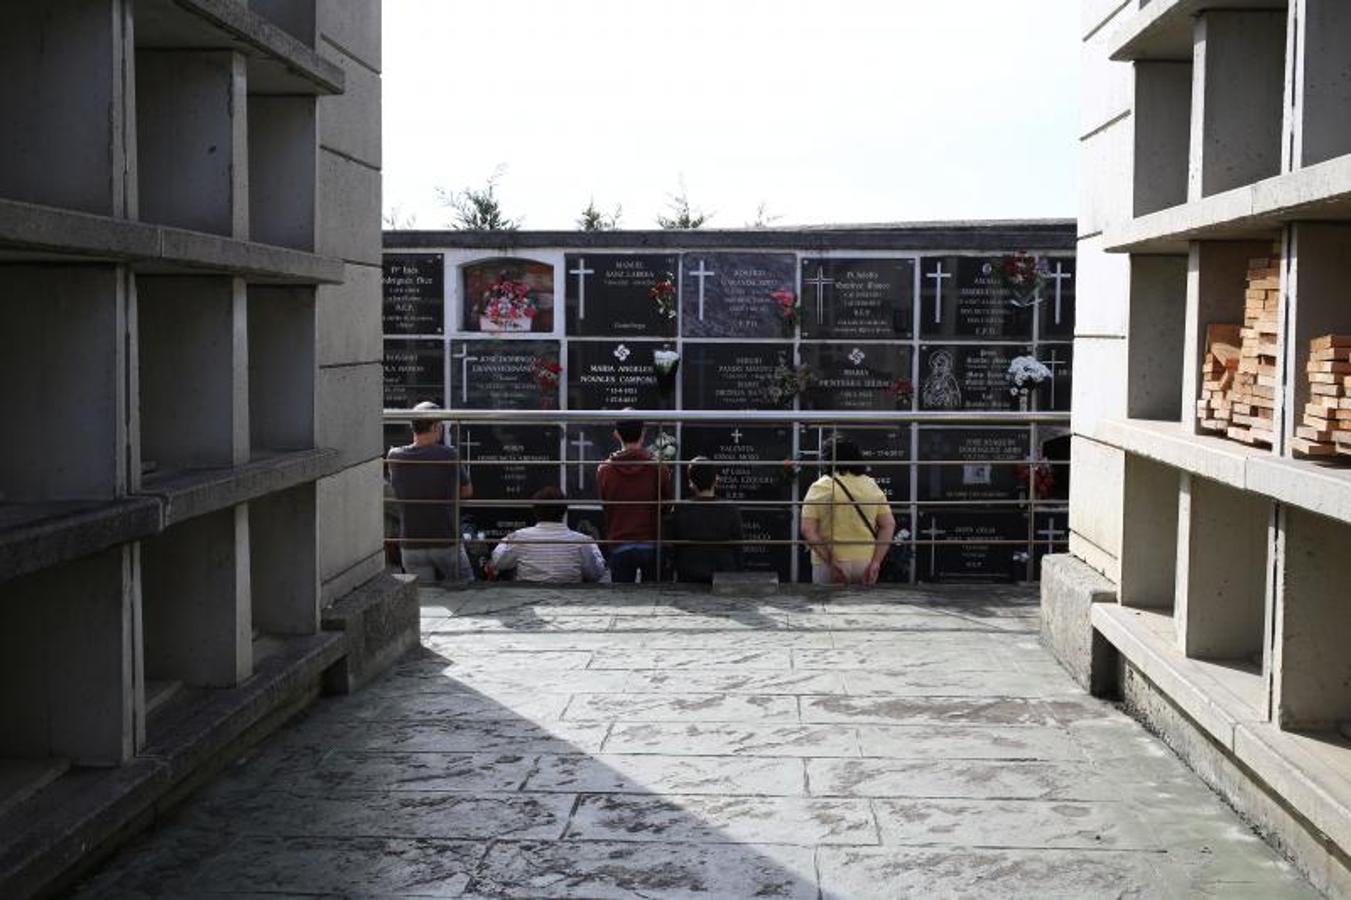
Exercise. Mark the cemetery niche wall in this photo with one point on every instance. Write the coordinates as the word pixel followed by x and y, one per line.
pixel 965 317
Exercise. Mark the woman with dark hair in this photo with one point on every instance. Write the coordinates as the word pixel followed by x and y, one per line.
pixel 846 520
pixel 713 527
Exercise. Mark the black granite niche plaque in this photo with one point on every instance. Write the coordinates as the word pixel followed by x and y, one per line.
pixel 856 376
pixel 414 286
pixel 495 374
pixel 733 294
pixel 1055 393
pixel 975 555
pixel 414 371
pixel 886 453
pixel 731 376
pixel 506 462
pixel 615 375
pixel 858 298
pixel 754 463
pixel 588 445
pixel 988 463
pixel 1056 312
pixel 610 295
pixel 968 376
pixel 961 297
pixel 760 525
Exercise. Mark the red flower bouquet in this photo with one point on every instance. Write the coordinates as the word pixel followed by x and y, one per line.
pixel 507 306
pixel 902 391
pixel 663 293
pixel 785 302
pixel 547 373
pixel 1039 478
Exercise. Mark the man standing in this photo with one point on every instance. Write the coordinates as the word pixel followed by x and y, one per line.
pixel 426 476
pixel 549 551
pixel 632 485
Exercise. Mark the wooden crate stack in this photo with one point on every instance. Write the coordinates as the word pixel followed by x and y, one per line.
pixel 1238 389
pixel 1327 416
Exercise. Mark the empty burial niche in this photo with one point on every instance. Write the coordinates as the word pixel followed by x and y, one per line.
pixel 281 332
pixel 1323 103
pixel 192 341
pixel 297 17
pixel 1238 93
pixel 196 605
pixel 1162 120
pixel 62 90
pixel 1222 579
pixel 192 145
pixel 283 565
pixel 1149 545
pixel 62 334
pixel 283 133
pixel 1154 355
pixel 1312 670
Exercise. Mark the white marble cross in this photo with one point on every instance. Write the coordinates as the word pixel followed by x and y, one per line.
pixel 465 359
pixel 1060 276
pixel 581 272
pixel 933 532
pixel 1051 532
pixel 467 445
pixel 702 273
pixel 582 443
pixel 737 436
pixel 1051 364
pixel 938 275
pixel 819 281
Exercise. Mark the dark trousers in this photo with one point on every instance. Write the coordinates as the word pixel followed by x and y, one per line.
pixel 627 562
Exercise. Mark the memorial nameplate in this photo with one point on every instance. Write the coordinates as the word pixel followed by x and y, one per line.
pixel 414 371
pixel 858 298
pixel 976 554
pixel 990 463
pixel 962 297
pixel 737 294
pixel 969 376
pixel 414 286
pixel 886 453
pixel 754 463
pixel 731 376
pixel 857 376
pixel 760 524
pixel 616 375
pixel 506 462
pixel 586 446
pixel 507 296
pixel 611 295
pixel 493 374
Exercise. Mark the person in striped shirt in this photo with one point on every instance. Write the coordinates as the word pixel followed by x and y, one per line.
pixel 550 551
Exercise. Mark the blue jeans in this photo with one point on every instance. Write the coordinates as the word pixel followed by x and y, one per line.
pixel 630 559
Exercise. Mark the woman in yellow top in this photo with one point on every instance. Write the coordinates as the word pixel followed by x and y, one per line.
pixel 846 521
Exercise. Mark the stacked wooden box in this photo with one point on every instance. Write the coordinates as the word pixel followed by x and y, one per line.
pixel 1238 389
pixel 1327 416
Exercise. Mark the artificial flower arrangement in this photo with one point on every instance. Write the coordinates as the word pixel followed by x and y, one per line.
pixel 548 372
pixel 1026 373
pixel 788 471
pixel 1038 477
pixel 1023 276
pixel 787 306
pixel 902 390
pixel 667 362
pixel 786 382
pixel 663 448
pixel 663 293
pixel 507 306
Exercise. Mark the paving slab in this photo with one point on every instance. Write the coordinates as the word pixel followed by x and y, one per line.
pixel 677 744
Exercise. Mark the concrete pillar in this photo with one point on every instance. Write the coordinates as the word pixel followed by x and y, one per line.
pixel 1149 534
pixel 1312 668
pixel 67 105
pixel 193 341
pixel 1222 571
pixel 1322 129
pixel 1162 121
pixel 197 601
pixel 284 561
pixel 281 368
pixel 1238 91
pixel 68 680
pixel 1154 355
pixel 283 171
pixel 192 137
pixel 62 358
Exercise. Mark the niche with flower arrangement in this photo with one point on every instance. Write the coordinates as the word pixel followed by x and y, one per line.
pixel 507 296
pixel 621 294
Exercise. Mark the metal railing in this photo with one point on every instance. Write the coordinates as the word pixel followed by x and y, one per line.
pixel 850 420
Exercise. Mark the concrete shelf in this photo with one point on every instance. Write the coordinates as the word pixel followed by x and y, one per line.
pixel 1258 211
pixel 1162 30
pixel 188 494
pixel 43 234
pixel 278 62
pixel 34 536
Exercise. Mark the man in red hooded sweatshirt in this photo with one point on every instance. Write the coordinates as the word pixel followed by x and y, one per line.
pixel 632 485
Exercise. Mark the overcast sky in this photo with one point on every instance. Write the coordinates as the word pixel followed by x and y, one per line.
pixel 824 110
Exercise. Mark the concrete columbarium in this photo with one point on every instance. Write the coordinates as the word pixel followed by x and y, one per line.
pixel 1210 510
pixel 190 348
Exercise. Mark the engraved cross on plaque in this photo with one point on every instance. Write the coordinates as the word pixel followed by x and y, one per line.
pixel 938 275
pixel 1051 533
pixel 819 281
pixel 702 273
pixel 737 436
pixel 582 443
pixel 465 359
pixel 581 272
pixel 1052 364
pixel 933 532
pixel 467 445
pixel 1060 276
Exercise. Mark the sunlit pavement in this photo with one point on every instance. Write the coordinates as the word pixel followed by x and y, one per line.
pixel 639 743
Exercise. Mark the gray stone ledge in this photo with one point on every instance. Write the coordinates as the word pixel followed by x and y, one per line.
pixel 38 535
pixel 1069 591
pixel 185 495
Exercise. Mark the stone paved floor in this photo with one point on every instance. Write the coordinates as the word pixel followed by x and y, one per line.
pixel 673 744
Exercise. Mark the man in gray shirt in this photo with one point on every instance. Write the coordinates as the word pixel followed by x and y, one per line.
pixel 426 476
